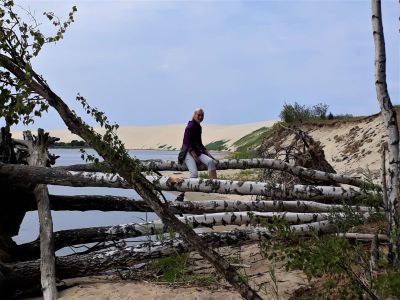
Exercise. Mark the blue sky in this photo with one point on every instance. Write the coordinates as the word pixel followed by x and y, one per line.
pixel 153 62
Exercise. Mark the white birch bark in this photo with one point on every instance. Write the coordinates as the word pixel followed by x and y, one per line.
pixel 267 189
pixel 72 237
pixel 263 163
pixel 38 175
pixel 254 163
pixel 392 129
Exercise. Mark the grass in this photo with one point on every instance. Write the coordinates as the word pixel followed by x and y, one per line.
pixel 176 268
pixel 242 175
pixel 252 139
pixel 217 145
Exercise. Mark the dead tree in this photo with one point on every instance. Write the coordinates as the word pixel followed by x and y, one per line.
pixel 295 146
pixel 38 156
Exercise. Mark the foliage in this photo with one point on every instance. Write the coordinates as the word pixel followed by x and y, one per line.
pixel 217 145
pixel 176 268
pixel 244 154
pixel 251 140
pixel 172 268
pixel 297 113
pixel 344 264
pixel 22 40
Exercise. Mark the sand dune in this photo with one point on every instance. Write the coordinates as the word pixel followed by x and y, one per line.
pixel 168 136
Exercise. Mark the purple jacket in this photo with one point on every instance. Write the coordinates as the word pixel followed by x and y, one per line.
pixel 192 138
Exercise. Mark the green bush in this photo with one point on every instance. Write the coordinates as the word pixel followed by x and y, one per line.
pixel 296 113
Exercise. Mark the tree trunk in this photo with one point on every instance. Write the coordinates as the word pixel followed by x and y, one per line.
pixel 122 231
pixel 266 189
pixel 96 262
pixel 38 157
pixel 117 203
pixel 226 164
pixel 129 169
pixel 37 175
pixel 392 129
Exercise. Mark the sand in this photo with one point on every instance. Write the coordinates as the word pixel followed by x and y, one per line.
pixel 168 136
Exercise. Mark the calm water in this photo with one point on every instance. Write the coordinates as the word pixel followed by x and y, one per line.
pixel 29 229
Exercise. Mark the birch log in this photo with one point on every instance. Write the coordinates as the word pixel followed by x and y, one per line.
pixel 96 262
pixel 267 189
pixel 392 129
pixel 38 157
pixel 118 203
pixel 226 164
pixel 122 231
pixel 37 175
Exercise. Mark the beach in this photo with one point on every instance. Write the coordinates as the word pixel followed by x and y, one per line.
pixel 346 148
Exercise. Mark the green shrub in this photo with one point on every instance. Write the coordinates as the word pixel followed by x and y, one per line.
pixel 296 113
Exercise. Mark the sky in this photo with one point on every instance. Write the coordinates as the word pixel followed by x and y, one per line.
pixel 148 63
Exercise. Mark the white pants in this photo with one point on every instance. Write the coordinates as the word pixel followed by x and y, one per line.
pixel 192 166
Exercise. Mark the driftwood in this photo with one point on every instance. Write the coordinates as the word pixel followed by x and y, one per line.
pixel 38 157
pixel 122 231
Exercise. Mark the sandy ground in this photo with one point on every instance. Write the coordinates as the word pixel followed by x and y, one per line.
pixel 94 288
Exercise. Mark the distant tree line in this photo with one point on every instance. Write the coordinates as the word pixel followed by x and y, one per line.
pixel 72 144
pixel 297 113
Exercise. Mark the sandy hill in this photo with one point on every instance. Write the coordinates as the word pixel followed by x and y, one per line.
pixel 353 145
pixel 349 145
pixel 169 136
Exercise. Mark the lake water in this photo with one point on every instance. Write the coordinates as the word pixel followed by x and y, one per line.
pixel 29 229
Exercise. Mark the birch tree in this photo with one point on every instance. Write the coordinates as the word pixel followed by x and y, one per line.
pixel 392 129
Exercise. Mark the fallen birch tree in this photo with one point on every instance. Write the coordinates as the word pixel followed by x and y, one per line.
pixel 73 237
pixel 37 175
pixel 96 262
pixel 225 164
pixel 118 203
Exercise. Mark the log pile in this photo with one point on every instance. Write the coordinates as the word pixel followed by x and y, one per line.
pixel 304 207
